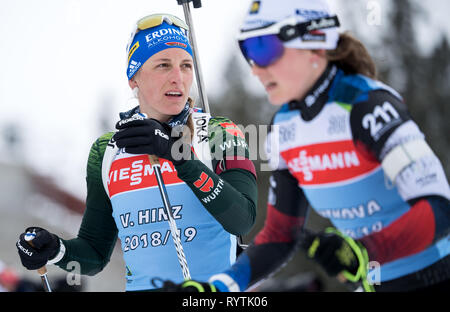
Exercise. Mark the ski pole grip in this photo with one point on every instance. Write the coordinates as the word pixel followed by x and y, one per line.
pixel 42 270
pixel 154 160
pixel 197 3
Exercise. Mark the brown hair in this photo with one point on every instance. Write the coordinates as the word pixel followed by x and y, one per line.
pixel 352 56
pixel 190 122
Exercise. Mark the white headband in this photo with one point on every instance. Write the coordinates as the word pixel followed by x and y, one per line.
pixel 268 16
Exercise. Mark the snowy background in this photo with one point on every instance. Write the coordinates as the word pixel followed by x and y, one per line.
pixel 63 82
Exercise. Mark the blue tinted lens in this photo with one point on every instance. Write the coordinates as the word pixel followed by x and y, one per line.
pixel 263 51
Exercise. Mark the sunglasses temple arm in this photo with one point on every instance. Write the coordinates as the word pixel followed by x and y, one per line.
pixel 197 67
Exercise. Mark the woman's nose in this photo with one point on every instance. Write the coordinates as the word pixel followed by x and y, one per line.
pixel 256 70
pixel 260 72
pixel 176 76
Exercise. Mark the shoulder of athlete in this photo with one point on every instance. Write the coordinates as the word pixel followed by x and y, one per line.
pixel 229 149
pixel 355 88
pixel 99 146
pixel 375 115
pixel 98 150
pixel 226 138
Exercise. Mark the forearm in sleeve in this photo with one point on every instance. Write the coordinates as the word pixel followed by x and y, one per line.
pixel 97 235
pixel 230 197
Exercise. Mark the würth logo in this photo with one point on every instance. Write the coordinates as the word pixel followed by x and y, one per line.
pixel 204 183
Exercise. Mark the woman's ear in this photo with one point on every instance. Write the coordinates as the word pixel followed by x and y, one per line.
pixel 317 58
pixel 317 54
pixel 134 87
pixel 132 83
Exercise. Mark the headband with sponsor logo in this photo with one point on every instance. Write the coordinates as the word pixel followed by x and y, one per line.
pixel 272 16
pixel 150 41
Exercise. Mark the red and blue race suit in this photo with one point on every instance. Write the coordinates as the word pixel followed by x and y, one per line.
pixel 326 152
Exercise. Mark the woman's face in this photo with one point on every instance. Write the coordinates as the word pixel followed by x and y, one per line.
pixel 291 76
pixel 164 82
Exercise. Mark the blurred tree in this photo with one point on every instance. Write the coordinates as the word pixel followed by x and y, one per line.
pixel 436 123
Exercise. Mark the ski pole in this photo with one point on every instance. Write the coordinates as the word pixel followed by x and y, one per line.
pixel 197 67
pixel 154 161
pixel 198 72
pixel 29 236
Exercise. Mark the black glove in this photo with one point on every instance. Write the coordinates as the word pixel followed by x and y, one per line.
pixel 43 247
pixel 139 135
pixel 333 251
pixel 188 286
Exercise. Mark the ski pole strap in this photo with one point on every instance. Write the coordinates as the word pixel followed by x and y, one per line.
pixel 197 3
pixel 363 260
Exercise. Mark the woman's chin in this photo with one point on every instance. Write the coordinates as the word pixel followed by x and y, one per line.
pixel 276 100
pixel 175 108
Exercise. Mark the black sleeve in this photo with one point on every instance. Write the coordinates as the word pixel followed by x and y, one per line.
pixel 229 190
pixel 286 195
pixel 275 244
pixel 230 197
pixel 375 119
pixel 97 235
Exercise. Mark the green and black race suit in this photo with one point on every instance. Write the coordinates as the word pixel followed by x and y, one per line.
pixel 212 201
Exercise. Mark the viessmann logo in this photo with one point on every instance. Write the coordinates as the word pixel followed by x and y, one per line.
pixel 327 163
pixel 133 173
